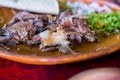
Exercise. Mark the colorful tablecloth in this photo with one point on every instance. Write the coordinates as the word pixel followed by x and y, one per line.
pixel 10 70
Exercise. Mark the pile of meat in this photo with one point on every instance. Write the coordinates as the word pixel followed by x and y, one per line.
pixel 48 31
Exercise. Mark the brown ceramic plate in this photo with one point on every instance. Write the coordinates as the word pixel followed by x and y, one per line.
pixel 32 55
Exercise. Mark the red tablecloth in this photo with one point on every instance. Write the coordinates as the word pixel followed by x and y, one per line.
pixel 10 70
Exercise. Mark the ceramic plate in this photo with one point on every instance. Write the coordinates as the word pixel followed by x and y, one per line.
pixel 32 55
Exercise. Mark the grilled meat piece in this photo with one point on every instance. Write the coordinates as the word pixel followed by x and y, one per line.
pixel 23 27
pixel 76 27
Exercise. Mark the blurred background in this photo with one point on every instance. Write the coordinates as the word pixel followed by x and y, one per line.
pixel 115 1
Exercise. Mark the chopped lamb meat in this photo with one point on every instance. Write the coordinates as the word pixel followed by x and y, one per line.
pixel 48 31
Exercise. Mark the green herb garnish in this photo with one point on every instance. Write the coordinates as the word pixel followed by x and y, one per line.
pixel 105 23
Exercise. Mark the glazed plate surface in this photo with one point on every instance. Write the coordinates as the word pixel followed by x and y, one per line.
pixel 32 55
